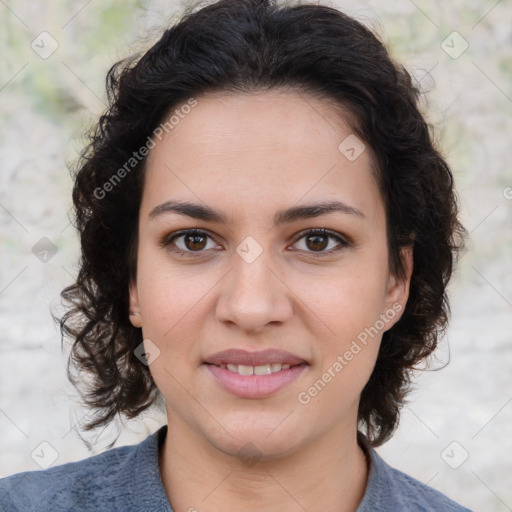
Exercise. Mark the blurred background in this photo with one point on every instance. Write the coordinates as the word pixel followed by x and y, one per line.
pixel 456 430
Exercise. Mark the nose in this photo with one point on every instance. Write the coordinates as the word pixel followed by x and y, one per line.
pixel 254 296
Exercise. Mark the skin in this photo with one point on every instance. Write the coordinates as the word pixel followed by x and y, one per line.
pixel 249 156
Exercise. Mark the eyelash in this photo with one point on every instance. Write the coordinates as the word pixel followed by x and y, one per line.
pixel 343 242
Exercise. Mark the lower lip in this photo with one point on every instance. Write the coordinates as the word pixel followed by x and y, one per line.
pixel 254 386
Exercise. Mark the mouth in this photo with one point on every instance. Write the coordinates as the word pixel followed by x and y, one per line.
pixel 249 374
pixel 262 369
pixel 262 362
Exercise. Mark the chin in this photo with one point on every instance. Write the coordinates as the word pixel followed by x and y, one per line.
pixel 250 451
pixel 256 440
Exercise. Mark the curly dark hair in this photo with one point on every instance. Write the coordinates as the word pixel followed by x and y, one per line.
pixel 244 46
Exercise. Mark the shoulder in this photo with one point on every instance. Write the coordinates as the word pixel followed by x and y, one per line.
pixel 389 489
pixel 84 481
pixel 112 480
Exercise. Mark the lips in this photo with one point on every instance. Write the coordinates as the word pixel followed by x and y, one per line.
pixel 260 358
pixel 254 375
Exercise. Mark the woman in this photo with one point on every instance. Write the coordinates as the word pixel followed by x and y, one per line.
pixel 267 232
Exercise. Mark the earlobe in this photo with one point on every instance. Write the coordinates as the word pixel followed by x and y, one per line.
pixel 134 312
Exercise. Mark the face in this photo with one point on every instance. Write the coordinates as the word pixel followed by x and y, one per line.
pixel 261 274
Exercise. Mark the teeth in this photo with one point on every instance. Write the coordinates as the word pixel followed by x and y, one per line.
pixel 245 369
pixel 262 370
pixel 265 369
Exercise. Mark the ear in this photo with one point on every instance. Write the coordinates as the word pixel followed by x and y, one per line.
pixel 397 291
pixel 135 315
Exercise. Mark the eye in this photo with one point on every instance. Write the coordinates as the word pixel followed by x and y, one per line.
pixel 195 242
pixel 317 240
pixel 189 242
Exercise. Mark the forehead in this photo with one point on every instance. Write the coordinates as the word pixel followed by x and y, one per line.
pixel 268 148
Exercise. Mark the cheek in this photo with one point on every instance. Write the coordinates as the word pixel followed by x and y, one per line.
pixel 169 293
pixel 349 299
pixel 170 310
pixel 347 349
pixel 176 306
pixel 347 307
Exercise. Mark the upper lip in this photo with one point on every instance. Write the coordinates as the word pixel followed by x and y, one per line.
pixel 259 358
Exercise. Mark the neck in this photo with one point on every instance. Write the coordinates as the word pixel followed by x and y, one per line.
pixel 329 474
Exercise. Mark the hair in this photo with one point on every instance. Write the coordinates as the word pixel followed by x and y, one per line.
pixel 242 47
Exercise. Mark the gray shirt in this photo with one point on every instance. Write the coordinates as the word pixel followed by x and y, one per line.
pixel 127 479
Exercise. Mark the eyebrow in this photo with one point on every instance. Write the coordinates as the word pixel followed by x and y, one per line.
pixel 207 214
